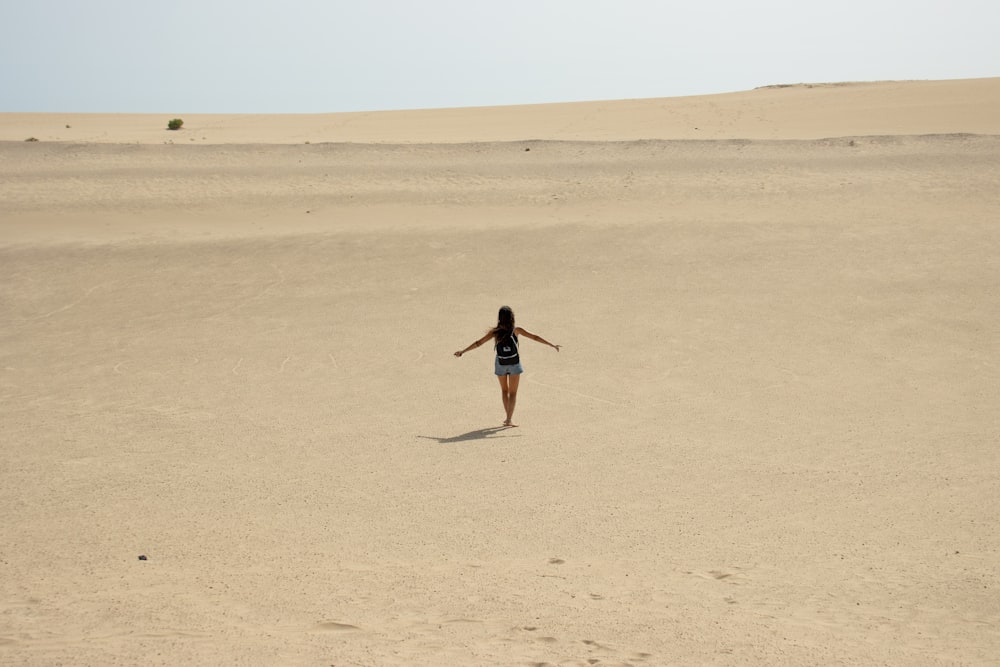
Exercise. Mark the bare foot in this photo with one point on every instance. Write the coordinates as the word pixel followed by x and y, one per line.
pixel 510 424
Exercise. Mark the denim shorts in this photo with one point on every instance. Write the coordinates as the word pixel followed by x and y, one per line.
pixel 515 369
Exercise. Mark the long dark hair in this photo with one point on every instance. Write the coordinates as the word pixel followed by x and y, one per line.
pixel 505 323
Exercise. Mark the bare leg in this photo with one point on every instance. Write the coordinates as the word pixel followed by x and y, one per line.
pixel 504 394
pixel 508 393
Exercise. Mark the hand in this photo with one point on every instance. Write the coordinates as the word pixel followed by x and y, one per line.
pixel 557 347
pixel 458 354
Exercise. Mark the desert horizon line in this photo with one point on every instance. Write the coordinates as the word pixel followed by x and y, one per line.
pixel 771 86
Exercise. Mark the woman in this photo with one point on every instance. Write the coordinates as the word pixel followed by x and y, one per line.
pixel 507 364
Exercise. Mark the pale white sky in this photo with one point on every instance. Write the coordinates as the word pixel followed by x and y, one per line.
pixel 311 56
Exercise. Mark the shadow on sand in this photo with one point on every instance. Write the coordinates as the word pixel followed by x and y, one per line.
pixel 481 434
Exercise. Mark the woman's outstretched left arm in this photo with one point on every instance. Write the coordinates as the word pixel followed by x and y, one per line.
pixel 535 337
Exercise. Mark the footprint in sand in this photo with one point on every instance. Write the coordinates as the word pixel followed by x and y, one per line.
pixel 333 626
pixel 719 575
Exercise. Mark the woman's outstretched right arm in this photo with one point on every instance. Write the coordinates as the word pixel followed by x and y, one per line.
pixel 537 338
pixel 474 345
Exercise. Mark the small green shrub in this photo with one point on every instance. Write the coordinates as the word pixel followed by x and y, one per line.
pixel 31 139
pixel 175 124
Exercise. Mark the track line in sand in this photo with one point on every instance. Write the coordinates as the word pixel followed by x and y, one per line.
pixel 64 308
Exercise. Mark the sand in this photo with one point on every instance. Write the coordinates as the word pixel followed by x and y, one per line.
pixel 770 437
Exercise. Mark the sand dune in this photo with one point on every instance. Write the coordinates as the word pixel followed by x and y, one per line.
pixel 770 436
pixel 801 111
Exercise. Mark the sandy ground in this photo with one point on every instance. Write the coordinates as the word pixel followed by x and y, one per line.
pixel 770 437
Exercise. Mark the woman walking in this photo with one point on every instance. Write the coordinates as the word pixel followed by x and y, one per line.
pixel 507 365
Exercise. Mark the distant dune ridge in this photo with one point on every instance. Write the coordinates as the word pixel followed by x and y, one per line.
pixel 770 436
pixel 800 111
